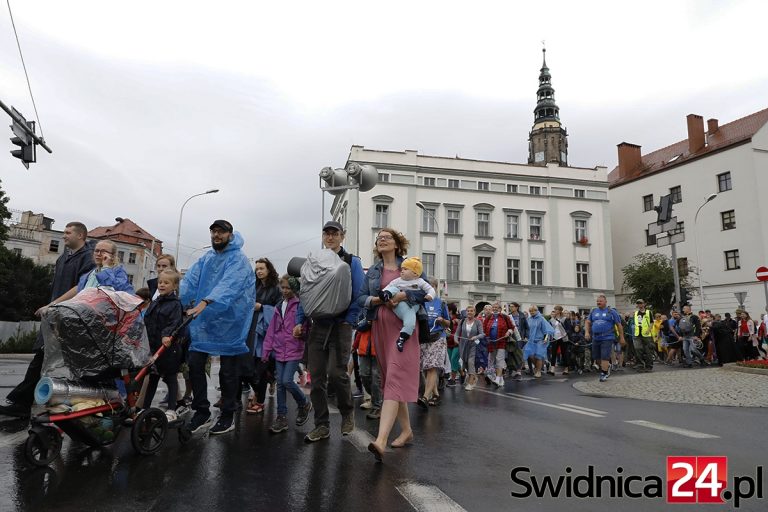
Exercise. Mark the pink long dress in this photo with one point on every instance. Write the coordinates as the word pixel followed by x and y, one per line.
pixel 399 370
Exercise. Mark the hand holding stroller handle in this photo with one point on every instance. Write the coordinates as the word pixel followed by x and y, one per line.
pixel 163 348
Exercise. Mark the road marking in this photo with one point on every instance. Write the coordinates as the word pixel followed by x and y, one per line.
pixel 675 430
pixel 13 439
pixel 544 404
pixel 584 408
pixel 360 439
pixel 427 498
pixel 524 396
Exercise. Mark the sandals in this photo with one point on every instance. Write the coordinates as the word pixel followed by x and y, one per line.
pixel 423 403
pixel 435 400
pixel 255 408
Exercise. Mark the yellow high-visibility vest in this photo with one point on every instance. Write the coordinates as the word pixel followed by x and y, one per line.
pixel 646 323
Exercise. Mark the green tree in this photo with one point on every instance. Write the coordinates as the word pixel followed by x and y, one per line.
pixel 651 278
pixel 5 214
pixel 25 286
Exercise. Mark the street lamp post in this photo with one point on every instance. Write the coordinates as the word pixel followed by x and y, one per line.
pixel 696 245
pixel 181 214
pixel 437 244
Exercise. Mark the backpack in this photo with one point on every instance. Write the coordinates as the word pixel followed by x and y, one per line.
pixel 685 326
pixel 326 284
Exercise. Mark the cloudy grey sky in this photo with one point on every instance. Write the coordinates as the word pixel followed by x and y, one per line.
pixel 147 103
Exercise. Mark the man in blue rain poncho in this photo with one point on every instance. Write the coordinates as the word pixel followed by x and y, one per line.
pixel 221 287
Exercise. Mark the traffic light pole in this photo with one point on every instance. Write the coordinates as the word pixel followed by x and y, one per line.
pixel 23 124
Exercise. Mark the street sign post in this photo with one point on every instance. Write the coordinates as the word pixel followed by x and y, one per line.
pixel 762 275
pixel 740 296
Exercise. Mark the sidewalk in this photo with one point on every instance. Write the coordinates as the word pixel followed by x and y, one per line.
pixel 704 386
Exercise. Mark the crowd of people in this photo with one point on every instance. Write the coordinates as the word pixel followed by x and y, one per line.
pixel 395 337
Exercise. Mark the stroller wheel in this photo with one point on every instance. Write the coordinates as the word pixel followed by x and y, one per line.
pixel 148 432
pixel 43 445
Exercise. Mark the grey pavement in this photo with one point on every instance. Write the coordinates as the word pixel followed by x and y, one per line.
pixel 704 386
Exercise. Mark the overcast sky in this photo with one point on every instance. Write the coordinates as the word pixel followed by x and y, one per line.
pixel 147 103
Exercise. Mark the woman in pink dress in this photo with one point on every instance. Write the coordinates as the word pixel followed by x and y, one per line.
pixel 399 370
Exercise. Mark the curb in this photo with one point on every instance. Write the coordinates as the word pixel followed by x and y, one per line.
pixel 16 357
pixel 733 367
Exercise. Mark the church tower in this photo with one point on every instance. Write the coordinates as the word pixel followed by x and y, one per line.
pixel 548 140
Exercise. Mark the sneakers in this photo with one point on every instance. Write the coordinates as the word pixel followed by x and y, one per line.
pixel 198 420
pixel 181 410
pixel 401 341
pixel 451 383
pixel 303 415
pixel 358 393
pixel 367 404
pixel 551 370
pixel 347 424
pixel 517 376
pixel 468 387
pixel 375 414
pixel 224 425
pixel 15 410
pixel 603 376
pixel 279 425
pixel 537 374
pixel 318 433
pixel 500 381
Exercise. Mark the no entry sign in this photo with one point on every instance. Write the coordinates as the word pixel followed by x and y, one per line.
pixel 762 274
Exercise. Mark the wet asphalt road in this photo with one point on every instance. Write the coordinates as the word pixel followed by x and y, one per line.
pixel 462 457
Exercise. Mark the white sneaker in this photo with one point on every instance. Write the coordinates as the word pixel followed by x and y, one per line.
pixel 468 387
pixel 366 405
pixel 171 415
pixel 500 381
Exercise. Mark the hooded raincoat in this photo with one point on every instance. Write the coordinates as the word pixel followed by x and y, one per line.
pixel 225 278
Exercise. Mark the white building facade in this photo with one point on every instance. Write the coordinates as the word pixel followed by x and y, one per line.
pixel 731 232
pixel 489 230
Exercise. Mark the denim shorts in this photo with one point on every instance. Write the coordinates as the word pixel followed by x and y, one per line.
pixel 601 349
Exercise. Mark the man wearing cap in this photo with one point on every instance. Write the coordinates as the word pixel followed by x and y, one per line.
pixel 221 286
pixel 330 341
pixel 643 337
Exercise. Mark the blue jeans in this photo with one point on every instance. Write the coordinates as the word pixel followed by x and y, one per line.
pixel 284 371
pixel 689 349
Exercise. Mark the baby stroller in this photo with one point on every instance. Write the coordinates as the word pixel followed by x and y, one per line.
pixel 96 355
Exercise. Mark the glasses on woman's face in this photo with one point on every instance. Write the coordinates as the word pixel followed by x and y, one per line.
pixel 101 251
pixel 384 238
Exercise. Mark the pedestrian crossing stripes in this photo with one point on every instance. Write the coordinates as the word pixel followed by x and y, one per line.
pixel 598 414
pixel 427 498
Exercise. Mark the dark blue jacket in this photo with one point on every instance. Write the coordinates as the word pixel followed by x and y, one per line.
pixel 162 317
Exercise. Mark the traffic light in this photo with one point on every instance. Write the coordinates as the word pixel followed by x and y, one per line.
pixel 685 296
pixel 26 152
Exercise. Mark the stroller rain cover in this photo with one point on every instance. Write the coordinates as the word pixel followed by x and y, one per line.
pixel 94 335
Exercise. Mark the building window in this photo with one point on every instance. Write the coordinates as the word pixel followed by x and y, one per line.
pixel 534 191
pixel 16 251
pixel 429 182
pixel 484 269
pixel 537 273
pixel 648 203
pixel 724 182
pixel 383 177
pixel 580 229
pixel 483 224
pixel 453 183
pixel 512 189
pixel 382 215
pixel 677 194
pixel 513 271
pixel 483 185
pixel 579 192
pixel 428 216
pixel 130 278
pixel 513 222
pixel 679 229
pixel 582 275
pixel 728 219
pixel 649 239
pixel 534 228
pixel 132 257
pixel 54 246
pixel 428 261
pixel 453 267
pixel 454 221
pixel 120 256
pixel 682 267
pixel 732 260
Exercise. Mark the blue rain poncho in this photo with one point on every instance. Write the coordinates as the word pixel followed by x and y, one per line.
pixel 227 279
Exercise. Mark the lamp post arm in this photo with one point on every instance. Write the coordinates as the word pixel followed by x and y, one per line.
pixel 181 214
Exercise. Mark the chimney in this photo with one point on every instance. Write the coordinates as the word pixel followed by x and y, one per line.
pixel 629 158
pixel 712 126
pixel 696 139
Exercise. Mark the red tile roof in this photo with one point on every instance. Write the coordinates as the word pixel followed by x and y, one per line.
pixel 129 232
pixel 731 134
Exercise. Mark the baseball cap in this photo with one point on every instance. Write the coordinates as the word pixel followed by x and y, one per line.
pixel 222 224
pixel 332 224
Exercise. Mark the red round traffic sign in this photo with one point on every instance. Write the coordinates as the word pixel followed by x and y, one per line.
pixel 762 274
